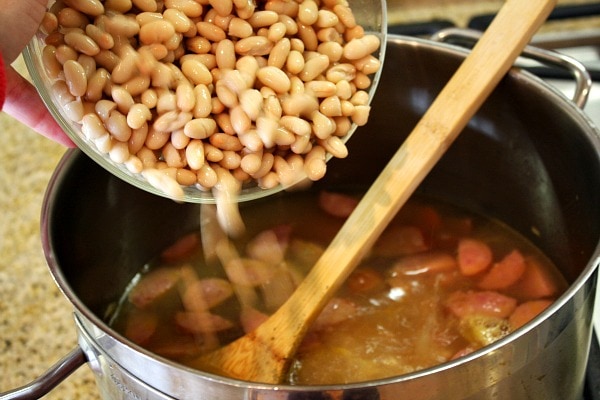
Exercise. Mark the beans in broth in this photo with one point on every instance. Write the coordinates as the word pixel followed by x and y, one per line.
pixel 438 284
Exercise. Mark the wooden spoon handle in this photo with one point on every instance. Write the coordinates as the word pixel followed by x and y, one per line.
pixel 462 96
pixel 263 355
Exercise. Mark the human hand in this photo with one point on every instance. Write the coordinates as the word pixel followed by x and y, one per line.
pixel 19 20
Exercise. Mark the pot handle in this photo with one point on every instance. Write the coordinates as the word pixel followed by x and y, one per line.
pixel 583 80
pixel 50 379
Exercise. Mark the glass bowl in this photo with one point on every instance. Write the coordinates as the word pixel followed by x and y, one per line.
pixel 371 15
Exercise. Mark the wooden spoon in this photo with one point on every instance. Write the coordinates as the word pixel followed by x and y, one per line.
pixel 264 354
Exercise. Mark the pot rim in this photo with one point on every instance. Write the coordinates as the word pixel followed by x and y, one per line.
pixel 80 308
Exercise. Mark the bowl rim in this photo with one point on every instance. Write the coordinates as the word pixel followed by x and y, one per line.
pixel 42 82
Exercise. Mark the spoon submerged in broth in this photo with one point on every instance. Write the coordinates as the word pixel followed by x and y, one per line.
pixel 263 355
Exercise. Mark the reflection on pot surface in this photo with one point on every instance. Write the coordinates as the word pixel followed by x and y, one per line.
pixel 520 161
pixel 438 284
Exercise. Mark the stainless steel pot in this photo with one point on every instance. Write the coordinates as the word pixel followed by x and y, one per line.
pixel 530 157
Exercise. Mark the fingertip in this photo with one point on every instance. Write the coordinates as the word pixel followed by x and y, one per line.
pixel 24 104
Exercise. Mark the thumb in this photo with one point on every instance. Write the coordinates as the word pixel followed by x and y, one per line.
pixel 24 104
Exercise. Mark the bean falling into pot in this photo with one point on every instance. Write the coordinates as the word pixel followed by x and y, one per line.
pixel 216 95
pixel 439 283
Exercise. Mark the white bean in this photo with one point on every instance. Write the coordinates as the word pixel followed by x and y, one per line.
pixel 138 115
pixel 361 47
pixel 212 87
pixel 90 7
pixel 92 127
pixel 119 152
pixel 74 110
pixel 163 183
pixel 274 78
pixel 75 78
pixel 200 128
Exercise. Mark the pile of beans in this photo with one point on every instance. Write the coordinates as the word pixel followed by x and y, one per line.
pixel 190 92
pixel 438 284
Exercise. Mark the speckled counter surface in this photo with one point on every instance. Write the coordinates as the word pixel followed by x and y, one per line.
pixel 36 322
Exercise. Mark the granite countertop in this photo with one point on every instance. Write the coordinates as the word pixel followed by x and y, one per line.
pixel 36 320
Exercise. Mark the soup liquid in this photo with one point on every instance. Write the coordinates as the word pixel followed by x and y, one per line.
pixel 439 283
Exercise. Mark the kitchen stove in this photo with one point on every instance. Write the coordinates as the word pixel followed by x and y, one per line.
pixel 564 34
pixel 573 30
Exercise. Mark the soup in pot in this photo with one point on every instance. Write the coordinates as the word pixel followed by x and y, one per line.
pixel 438 284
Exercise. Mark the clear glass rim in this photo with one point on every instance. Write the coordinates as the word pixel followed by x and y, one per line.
pixel 374 23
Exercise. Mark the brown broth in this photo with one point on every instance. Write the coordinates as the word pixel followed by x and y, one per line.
pixel 409 305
